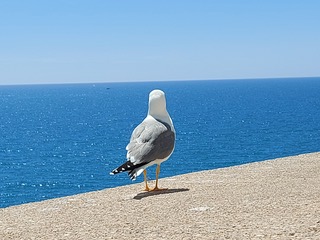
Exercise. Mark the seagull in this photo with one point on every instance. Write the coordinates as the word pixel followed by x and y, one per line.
pixel 152 141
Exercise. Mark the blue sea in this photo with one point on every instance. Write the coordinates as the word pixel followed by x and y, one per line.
pixel 59 140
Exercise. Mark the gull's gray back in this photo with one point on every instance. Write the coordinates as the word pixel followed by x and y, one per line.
pixel 149 141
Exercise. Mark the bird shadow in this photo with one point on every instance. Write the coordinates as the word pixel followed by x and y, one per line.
pixel 142 195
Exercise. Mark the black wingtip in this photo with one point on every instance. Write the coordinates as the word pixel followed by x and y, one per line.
pixel 127 166
pixel 115 171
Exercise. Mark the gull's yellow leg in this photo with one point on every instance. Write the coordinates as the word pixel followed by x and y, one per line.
pixel 145 180
pixel 156 188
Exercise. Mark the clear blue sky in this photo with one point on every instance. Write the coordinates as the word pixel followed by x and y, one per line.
pixel 101 41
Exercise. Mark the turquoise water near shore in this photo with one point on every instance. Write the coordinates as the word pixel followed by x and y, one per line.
pixel 59 140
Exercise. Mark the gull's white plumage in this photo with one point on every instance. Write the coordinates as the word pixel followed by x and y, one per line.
pixel 152 141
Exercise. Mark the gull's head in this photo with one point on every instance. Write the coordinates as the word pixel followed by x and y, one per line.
pixel 157 103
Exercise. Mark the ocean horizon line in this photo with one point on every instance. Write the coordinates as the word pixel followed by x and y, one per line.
pixel 158 81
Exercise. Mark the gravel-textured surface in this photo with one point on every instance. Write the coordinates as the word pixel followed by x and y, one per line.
pixel 276 199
